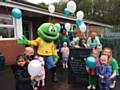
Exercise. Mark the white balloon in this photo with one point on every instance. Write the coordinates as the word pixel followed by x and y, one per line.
pixel 51 8
pixel 34 67
pixel 67 26
pixel 71 5
pixel 83 27
pixel 80 15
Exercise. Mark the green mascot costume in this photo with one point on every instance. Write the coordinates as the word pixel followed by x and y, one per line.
pixel 47 33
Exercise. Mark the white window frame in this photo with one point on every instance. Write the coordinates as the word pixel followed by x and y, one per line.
pixel 17 27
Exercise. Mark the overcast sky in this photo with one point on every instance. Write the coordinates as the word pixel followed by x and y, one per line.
pixel 45 1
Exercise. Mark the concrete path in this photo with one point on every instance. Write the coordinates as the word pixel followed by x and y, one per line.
pixel 7 82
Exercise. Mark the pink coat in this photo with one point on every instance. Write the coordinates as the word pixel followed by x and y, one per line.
pixel 65 51
pixel 42 72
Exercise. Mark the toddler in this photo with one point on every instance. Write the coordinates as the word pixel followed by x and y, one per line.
pixel 65 55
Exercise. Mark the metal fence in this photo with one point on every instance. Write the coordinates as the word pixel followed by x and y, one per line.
pixel 114 44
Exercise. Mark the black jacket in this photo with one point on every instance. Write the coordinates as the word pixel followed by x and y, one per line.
pixel 22 77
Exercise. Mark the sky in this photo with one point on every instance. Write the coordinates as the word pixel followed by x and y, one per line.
pixel 45 1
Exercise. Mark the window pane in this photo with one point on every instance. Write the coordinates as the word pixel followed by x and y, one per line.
pixel 26 31
pixel 6 19
pixel 6 32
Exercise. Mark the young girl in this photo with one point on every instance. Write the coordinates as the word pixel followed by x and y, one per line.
pixel 65 54
pixel 104 71
pixel 92 72
pixel 23 79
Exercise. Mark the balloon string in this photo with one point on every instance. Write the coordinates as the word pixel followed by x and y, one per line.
pixel 50 18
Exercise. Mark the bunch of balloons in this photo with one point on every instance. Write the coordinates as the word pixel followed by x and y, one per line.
pixel 71 8
pixel 79 21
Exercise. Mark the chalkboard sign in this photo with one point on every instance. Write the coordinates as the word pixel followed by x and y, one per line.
pixel 77 71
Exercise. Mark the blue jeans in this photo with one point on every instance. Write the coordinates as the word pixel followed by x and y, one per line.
pixel 104 87
pixel 49 61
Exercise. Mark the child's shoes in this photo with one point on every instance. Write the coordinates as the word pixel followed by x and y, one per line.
pixel 89 87
pixel 93 87
pixel 35 88
pixel 113 85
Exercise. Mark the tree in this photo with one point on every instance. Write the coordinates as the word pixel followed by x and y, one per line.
pixel 59 7
pixel 106 11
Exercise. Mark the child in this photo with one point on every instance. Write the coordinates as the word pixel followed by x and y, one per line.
pixel 41 76
pixel 29 53
pixel 92 72
pixel 65 54
pixel 23 79
pixel 104 71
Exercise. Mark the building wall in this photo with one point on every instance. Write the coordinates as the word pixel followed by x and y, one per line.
pixel 10 49
pixel 90 27
pixel 98 29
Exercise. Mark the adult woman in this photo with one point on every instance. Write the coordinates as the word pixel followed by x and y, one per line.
pixel 114 64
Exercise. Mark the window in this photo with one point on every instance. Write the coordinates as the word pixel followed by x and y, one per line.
pixel 26 29
pixel 6 32
pixel 74 27
pixel 6 26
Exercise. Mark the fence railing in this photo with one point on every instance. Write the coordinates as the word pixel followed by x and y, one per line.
pixel 114 44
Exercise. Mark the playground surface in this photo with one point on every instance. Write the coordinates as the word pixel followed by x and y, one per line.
pixel 7 81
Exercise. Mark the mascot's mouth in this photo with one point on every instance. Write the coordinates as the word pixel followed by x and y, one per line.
pixel 49 35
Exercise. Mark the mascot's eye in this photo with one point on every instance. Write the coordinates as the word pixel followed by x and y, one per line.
pixel 50 29
pixel 55 29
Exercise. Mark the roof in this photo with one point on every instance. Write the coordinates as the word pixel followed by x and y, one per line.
pixel 34 8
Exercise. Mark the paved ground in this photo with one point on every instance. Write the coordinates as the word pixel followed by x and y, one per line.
pixel 7 82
